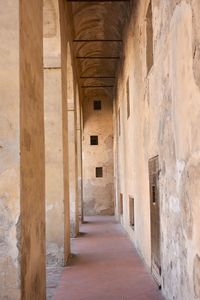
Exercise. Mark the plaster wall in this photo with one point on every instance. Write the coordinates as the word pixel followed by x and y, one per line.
pixel 164 121
pixel 98 192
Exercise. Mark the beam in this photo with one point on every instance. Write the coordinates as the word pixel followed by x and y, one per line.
pixel 97 0
pixel 89 41
pixel 97 77
pixel 98 57
pixel 96 86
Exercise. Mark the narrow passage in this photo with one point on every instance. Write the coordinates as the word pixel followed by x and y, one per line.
pixel 105 266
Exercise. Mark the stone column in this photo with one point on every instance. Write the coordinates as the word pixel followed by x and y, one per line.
pixel 73 187
pixel 79 155
pixel 22 218
pixel 54 167
pixel 54 154
pixel 72 140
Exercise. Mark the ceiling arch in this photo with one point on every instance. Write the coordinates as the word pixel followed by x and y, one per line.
pixel 97 42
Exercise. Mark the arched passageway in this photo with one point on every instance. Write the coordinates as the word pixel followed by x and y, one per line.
pixel 99 124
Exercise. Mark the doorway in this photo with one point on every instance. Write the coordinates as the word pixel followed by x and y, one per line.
pixel 155 218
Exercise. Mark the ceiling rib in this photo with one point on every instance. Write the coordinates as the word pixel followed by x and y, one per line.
pixel 97 42
pixel 89 41
pixel 97 77
pixel 98 57
pixel 96 86
pixel 97 1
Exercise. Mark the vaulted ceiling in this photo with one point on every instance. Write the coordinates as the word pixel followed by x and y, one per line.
pixel 97 42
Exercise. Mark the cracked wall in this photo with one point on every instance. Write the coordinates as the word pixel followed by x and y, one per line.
pixel 164 121
pixel 98 192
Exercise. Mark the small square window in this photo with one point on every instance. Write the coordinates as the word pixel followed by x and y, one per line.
pixel 99 172
pixel 97 105
pixel 94 140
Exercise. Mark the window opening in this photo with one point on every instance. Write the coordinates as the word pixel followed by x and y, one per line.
pixel 97 104
pixel 93 140
pixel 149 37
pixel 99 172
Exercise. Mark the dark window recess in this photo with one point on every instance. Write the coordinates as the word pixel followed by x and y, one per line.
pixel 128 98
pixel 131 212
pixel 119 123
pixel 99 172
pixel 149 34
pixel 153 194
pixel 97 105
pixel 93 140
pixel 121 204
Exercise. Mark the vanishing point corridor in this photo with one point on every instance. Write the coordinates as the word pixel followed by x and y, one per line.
pixel 99 149
pixel 105 266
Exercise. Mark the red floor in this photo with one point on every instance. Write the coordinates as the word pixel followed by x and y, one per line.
pixel 105 266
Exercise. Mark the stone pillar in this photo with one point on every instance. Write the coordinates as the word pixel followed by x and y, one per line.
pixel 55 206
pixel 79 155
pixel 32 167
pixel 22 226
pixel 73 184
pixel 74 213
pixel 54 167
pixel 64 54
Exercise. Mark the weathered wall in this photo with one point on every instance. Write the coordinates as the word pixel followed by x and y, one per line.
pixel 164 121
pixel 9 151
pixel 98 192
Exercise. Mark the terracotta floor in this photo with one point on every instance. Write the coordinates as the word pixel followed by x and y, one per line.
pixel 105 266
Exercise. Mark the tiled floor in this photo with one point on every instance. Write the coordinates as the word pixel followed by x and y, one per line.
pixel 105 266
pixel 53 276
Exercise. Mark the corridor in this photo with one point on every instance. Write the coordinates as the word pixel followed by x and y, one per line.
pixel 105 266
pixel 99 122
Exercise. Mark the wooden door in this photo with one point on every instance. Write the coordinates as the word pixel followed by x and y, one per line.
pixel 155 218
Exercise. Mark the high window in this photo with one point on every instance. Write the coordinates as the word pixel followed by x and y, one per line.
pixel 99 172
pixel 93 140
pixel 149 37
pixel 97 104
